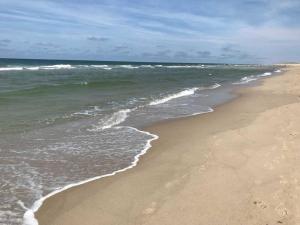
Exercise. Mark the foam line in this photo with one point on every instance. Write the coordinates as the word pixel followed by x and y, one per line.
pixel 115 119
pixel 10 68
pixel 176 95
pixel 29 218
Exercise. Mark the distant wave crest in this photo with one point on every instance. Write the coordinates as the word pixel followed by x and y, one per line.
pixel 129 67
pixel 10 68
pixel 55 67
pixel 185 66
pixel 105 67
pixel 52 67
pixel 101 66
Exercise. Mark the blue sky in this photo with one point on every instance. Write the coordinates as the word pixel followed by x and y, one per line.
pixel 231 31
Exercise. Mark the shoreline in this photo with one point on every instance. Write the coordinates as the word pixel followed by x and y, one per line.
pixel 156 143
pixel 29 215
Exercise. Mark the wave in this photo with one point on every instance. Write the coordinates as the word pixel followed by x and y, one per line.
pixel 10 68
pixel 147 66
pixel 29 217
pixel 265 74
pixel 105 67
pixel 88 112
pixel 246 80
pixel 52 67
pixel 84 83
pixel 129 67
pixel 187 92
pixel 32 68
pixel 55 67
pixel 115 119
pixel 160 66
pixel 203 112
pixel 214 86
pixel 185 66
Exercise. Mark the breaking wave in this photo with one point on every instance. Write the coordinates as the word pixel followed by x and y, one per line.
pixel 246 80
pixel 115 119
pixel 187 92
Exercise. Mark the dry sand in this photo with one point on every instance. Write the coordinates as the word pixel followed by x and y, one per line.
pixel 239 165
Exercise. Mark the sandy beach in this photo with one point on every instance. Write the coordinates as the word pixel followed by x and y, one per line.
pixel 238 165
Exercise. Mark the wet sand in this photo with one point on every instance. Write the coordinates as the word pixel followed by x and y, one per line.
pixel 236 166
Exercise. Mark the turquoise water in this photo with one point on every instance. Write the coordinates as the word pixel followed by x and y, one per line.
pixel 66 121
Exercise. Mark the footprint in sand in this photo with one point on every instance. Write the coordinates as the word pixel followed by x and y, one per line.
pixel 202 168
pixel 260 204
pixel 150 209
pixel 281 210
pixel 171 183
pixel 283 181
pixel 269 166
pixel 176 181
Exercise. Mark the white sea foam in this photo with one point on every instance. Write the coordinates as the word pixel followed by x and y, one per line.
pixel 129 67
pixel 105 67
pixel 246 80
pixel 266 74
pixel 277 71
pixel 186 92
pixel 85 112
pixel 185 66
pixel 88 112
pixel 99 66
pixel 147 66
pixel 115 119
pixel 29 217
pixel 52 67
pixel 202 112
pixel 10 68
pixel 55 67
pixel 32 68
pixel 214 86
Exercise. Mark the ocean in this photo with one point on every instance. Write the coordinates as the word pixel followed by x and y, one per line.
pixel 64 122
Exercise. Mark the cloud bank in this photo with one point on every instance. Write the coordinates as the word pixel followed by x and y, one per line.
pixel 233 31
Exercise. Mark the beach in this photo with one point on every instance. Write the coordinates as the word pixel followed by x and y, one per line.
pixel 236 165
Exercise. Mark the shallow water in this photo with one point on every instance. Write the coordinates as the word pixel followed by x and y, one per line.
pixel 66 121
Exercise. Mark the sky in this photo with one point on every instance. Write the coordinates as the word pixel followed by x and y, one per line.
pixel 218 31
